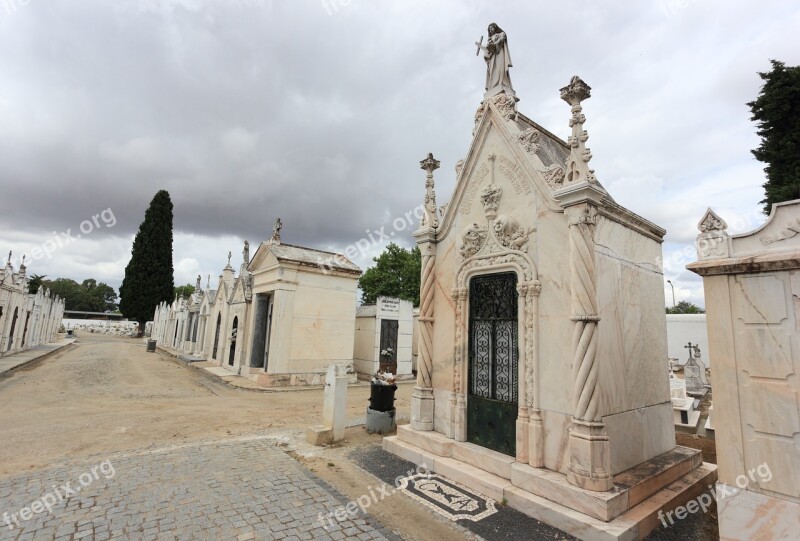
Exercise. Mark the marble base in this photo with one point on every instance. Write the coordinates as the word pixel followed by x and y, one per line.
pixel 751 515
pixel 628 511
pixel 590 456
pixel 422 408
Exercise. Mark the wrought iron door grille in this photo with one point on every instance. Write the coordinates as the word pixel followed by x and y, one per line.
pixel 493 337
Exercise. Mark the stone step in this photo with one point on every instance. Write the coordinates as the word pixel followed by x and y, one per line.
pixel 431 441
pixel 629 512
pixel 483 458
pixel 649 477
pixel 635 524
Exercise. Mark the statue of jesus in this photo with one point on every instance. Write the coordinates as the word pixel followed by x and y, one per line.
pixel 498 60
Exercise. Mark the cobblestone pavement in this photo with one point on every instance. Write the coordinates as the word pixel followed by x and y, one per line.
pixel 238 489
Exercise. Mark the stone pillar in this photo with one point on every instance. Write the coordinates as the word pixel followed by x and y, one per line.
pixel 422 397
pixel 590 453
pixel 580 196
pixel 530 430
pixel 458 398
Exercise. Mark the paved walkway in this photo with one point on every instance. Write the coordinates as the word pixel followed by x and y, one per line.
pixel 30 355
pixel 239 489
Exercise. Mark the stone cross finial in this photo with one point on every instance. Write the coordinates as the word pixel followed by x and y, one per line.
pixel 229 258
pixel 276 232
pixel 430 218
pixel 577 164
pixel 691 347
pixel 208 282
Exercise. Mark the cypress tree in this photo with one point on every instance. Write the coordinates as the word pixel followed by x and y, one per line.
pixel 148 276
pixel 776 111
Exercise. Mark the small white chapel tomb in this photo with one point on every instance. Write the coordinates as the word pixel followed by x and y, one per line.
pixel 383 337
pixel 542 331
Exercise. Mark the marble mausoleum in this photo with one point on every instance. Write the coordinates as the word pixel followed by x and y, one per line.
pixel 542 332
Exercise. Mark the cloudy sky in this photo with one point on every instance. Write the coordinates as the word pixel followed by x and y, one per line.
pixel 319 111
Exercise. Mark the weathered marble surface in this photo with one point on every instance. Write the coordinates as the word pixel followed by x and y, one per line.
pixel 754 337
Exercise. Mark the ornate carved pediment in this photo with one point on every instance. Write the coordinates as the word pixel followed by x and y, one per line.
pixel 554 176
pixel 510 234
pixel 712 242
pixel 711 222
pixel 502 233
pixel 473 239
pixel 490 198
pixel 506 106
pixel 529 139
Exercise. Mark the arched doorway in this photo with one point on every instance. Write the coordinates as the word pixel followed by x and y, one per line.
pixel 25 328
pixel 234 330
pixel 216 336
pixel 13 327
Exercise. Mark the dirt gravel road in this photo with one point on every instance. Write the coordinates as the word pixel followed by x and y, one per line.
pixel 106 394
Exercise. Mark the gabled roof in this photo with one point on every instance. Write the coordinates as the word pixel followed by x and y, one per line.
pixel 306 256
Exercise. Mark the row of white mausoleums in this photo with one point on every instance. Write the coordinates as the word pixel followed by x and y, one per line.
pixel 288 314
pixel 26 319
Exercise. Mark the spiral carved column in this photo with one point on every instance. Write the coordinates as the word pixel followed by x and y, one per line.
pixel 424 362
pixel 422 397
pixel 422 402
pixel 590 459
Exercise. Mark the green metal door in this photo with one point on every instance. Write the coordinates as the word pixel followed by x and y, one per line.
pixel 493 361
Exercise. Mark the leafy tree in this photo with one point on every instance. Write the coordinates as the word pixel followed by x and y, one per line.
pixel 184 291
pixel 35 282
pixel 396 274
pixel 776 111
pixel 88 296
pixel 685 307
pixel 148 276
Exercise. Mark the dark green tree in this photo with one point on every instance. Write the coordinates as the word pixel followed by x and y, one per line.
pixel 776 112
pixel 184 291
pixel 685 307
pixel 35 282
pixel 148 276
pixel 396 274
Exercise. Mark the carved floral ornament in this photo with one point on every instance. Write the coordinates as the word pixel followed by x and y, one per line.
pixel 505 104
pixel 529 139
pixel 711 222
pixel 490 198
pixel 501 232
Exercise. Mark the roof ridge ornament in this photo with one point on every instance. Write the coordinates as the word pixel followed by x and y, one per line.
pixel 577 170
pixel 276 232
pixel 430 217
pixel 713 242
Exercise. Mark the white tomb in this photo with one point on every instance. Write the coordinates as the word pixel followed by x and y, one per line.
pixel 683 406
pixel 752 283
pixel 383 337
pixel 542 333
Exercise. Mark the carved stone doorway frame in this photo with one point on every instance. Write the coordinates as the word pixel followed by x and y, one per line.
pixel 529 432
